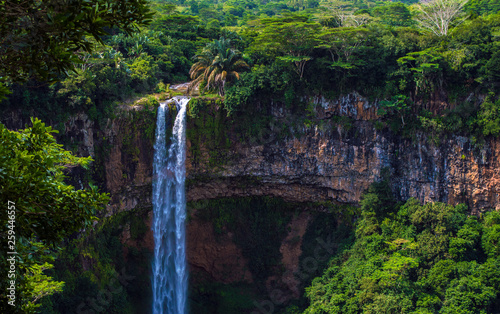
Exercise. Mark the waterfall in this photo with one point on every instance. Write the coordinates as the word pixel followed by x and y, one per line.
pixel 169 280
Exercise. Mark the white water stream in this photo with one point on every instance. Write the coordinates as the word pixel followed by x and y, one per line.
pixel 169 205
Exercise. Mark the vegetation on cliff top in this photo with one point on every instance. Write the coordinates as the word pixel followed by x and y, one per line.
pixel 295 49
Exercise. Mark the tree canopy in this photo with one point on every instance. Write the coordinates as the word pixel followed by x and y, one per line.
pixel 413 258
pixel 290 38
pixel 46 209
pixel 43 39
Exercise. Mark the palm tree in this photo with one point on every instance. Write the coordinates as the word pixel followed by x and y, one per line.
pixel 217 65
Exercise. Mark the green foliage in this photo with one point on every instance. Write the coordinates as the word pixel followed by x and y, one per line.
pixel 39 285
pixel 491 234
pixel 79 89
pixel 489 117
pixel 264 84
pixel 393 14
pixel 47 209
pixel 109 282
pixel 290 38
pixel 413 258
pixel 207 131
pixel 398 105
pixel 32 176
pixel 481 7
pixel 142 72
pixel 217 65
pixel 423 67
pixel 342 44
pixel 376 51
pixel 42 38
pixel 4 91
pixel 115 71
pixel 195 107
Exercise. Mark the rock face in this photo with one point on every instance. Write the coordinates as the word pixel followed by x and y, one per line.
pixel 336 163
pixel 215 256
pixel 325 161
pixel 322 167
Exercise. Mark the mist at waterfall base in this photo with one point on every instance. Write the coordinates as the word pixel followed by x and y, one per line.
pixel 170 277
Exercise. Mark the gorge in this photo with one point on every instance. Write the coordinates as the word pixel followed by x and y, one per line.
pixel 314 170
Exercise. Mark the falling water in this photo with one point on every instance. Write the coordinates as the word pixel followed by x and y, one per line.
pixel 169 205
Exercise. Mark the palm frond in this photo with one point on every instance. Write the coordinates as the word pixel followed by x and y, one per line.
pixel 217 64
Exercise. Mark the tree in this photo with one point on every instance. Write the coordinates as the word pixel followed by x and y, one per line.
pixel 291 38
pixel 423 68
pixel 43 39
pixel 39 285
pixel 343 16
pixel 437 16
pixel 421 259
pixel 398 105
pixel 394 14
pixel 217 65
pixel 483 7
pixel 177 25
pixel 43 209
pixel 343 43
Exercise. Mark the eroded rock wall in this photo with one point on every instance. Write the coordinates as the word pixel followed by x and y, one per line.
pixel 330 161
pixel 315 163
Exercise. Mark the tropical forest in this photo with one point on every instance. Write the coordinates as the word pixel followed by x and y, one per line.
pixel 252 156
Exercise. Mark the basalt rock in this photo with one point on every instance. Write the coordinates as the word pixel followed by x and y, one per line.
pixel 336 164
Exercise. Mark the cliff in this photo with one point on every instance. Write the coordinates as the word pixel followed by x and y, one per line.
pixel 335 161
